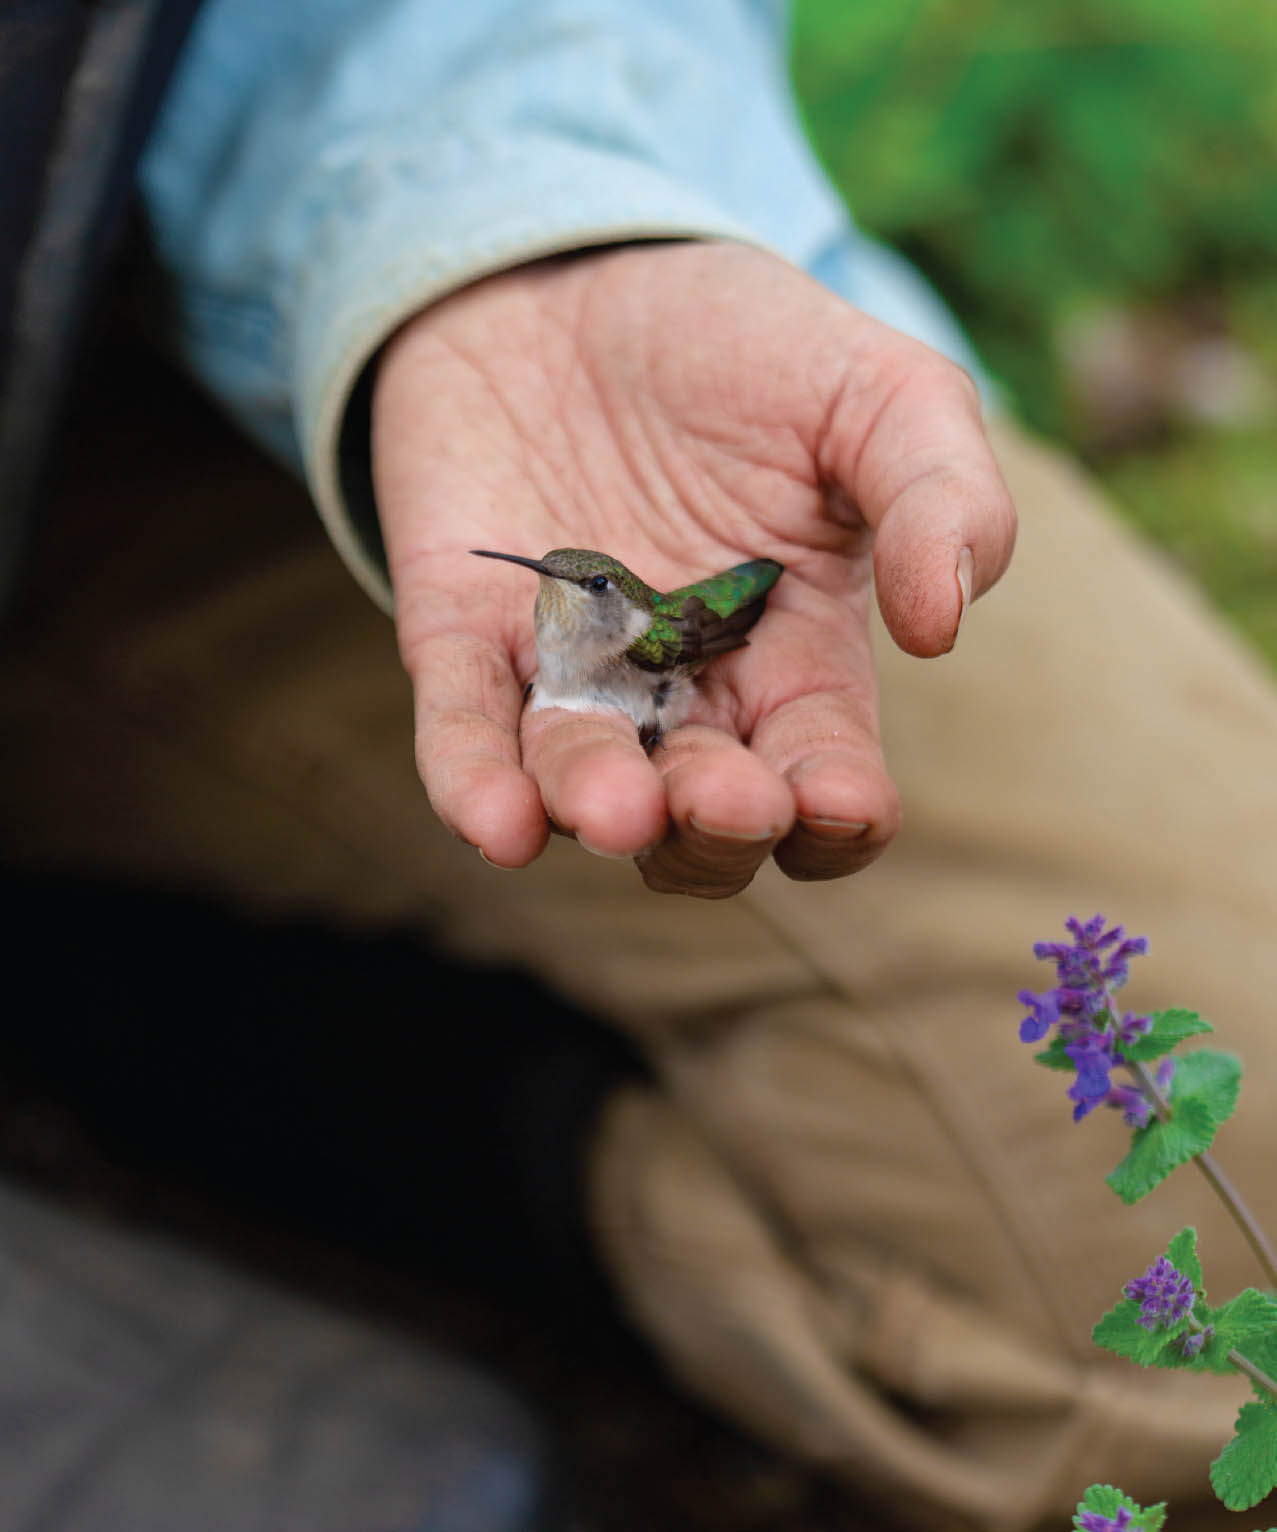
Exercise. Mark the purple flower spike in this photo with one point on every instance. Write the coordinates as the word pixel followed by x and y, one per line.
pixel 1092 1521
pixel 1080 1006
pixel 1091 966
pixel 1164 1295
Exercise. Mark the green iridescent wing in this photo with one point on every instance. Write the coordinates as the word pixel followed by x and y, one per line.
pixel 712 617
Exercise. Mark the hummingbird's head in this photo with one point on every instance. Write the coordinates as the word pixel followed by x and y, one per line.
pixel 588 603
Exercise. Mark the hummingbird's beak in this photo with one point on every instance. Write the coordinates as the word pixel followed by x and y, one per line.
pixel 512 558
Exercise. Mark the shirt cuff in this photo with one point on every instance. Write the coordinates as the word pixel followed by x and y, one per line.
pixel 408 231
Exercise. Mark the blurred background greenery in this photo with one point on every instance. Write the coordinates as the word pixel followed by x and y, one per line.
pixel 1092 184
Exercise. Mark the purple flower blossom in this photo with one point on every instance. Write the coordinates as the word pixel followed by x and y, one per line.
pixel 1130 1100
pixel 1132 1027
pixel 1134 1105
pixel 1192 1342
pixel 1088 969
pixel 1093 1521
pixel 1093 1057
pixel 1164 1295
pixel 1044 1012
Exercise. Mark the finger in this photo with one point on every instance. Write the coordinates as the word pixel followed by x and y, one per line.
pixel 467 710
pixel 924 477
pixel 595 779
pixel 727 811
pixel 846 809
pixel 812 719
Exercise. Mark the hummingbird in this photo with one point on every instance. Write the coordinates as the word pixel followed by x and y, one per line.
pixel 606 642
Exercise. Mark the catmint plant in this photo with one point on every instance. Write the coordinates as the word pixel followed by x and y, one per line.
pixel 1173 1105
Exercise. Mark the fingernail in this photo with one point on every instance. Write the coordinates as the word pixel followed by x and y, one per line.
pixel 849 827
pixel 745 837
pixel 498 865
pixel 966 572
pixel 608 856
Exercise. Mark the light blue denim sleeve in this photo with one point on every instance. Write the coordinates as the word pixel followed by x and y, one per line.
pixel 323 169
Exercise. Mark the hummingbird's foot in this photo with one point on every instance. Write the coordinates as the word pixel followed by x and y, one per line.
pixel 650 735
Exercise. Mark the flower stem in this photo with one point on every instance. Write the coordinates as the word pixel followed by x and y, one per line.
pixel 1228 1194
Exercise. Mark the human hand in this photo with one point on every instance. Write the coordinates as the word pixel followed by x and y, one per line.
pixel 682 407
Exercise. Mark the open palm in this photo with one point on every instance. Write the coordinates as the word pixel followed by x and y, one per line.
pixel 682 407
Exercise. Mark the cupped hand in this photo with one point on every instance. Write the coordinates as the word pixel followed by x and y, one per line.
pixel 683 407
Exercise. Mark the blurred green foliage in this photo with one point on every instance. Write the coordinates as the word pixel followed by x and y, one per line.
pixel 1029 156
pixel 1039 160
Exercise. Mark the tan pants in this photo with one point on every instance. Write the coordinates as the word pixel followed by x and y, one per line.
pixel 856 1215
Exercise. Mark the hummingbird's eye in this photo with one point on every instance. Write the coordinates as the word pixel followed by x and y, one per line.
pixel 598 582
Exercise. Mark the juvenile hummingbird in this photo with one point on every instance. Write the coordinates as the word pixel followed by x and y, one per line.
pixel 608 643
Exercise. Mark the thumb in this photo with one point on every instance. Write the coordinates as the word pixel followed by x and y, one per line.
pixel 909 452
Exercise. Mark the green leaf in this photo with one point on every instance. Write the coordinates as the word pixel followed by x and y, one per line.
pixel 1169 1029
pixel 1182 1254
pixel 1211 1077
pixel 1121 1332
pixel 1262 1351
pixel 1107 1500
pixel 1160 1148
pixel 1203 1094
pixel 1246 1470
pixel 1054 1056
pixel 1247 1323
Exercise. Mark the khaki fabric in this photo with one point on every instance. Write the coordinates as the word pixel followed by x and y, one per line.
pixel 854 1215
